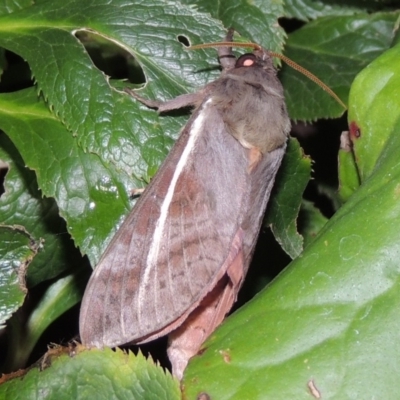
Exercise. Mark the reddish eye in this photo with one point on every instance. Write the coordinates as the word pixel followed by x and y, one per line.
pixel 246 60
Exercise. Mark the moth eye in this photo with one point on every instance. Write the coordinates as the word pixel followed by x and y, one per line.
pixel 246 60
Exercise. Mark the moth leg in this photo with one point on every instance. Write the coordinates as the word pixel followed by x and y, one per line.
pixel 137 192
pixel 182 101
pixel 225 54
pixel 255 156
pixel 229 35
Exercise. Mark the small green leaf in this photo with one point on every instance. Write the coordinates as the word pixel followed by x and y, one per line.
pixel 284 206
pixel 56 300
pixel 349 179
pixel 93 374
pixel 374 110
pixel 17 249
pixel 310 222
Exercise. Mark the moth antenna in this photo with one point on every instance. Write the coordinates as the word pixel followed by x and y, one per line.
pixel 285 59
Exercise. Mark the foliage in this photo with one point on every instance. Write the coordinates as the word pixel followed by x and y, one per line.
pixel 74 145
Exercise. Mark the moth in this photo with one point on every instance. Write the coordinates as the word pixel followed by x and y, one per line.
pixel 176 264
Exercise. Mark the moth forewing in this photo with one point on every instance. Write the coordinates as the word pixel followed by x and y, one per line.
pixel 170 250
pixel 179 259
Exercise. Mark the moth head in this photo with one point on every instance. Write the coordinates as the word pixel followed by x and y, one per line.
pixel 263 58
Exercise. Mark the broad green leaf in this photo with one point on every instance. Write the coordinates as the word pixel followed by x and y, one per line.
pixel 335 49
pixel 17 249
pixel 374 113
pixel 332 317
pixel 53 154
pixel 283 209
pixel 92 374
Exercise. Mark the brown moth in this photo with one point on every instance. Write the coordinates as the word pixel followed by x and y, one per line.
pixel 177 263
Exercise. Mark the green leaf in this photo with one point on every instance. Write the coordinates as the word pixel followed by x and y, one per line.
pixel 90 194
pixel 58 298
pixel 247 18
pixel 21 115
pixel 349 178
pixel 7 7
pixel 284 206
pixel 335 49
pixel 17 249
pixel 92 374
pixel 374 113
pixel 306 10
pixel 310 222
